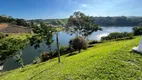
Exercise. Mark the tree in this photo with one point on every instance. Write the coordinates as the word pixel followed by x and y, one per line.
pixel 58 48
pixel 79 43
pixel 20 22
pixel 81 25
pixel 10 48
pixel 18 58
pixel 44 33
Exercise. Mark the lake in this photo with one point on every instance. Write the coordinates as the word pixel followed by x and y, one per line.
pixel 29 53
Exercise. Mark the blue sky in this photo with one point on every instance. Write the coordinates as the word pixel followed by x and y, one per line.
pixel 47 9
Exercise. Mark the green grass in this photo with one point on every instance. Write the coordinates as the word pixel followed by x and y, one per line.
pixel 22 36
pixel 105 61
pixel 19 35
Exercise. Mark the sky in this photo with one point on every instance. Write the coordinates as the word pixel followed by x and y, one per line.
pixel 53 9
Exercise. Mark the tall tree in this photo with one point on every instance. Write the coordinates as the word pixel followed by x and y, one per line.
pixel 44 33
pixel 81 25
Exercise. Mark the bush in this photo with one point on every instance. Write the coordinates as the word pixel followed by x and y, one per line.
pixel 45 56
pixel 94 42
pixel 137 30
pixel 79 43
pixel 37 60
pixel 2 35
pixel 118 35
pixel 63 49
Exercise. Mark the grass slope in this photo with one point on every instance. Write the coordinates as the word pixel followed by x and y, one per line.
pixel 110 60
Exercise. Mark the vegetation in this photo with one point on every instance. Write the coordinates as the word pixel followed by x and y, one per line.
pixel 118 21
pixel 118 35
pixel 61 22
pixel 37 60
pixel 64 50
pixel 94 42
pixel 102 21
pixel 45 56
pixel 79 43
pixel 2 35
pixel 9 19
pixel 10 47
pixel 50 55
pixel 42 33
pixel 103 61
pixel 97 62
pixel 137 30
pixel 81 25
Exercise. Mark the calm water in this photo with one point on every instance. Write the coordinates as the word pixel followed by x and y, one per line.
pixel 29 53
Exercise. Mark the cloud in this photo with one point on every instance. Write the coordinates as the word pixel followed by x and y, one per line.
pixel 84 5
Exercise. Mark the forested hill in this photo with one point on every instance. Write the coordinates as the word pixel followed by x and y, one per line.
pixel 61 22
pixel 118 21
pixel 102 21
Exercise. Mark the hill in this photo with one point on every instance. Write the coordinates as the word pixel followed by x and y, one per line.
pixel 102 21
pixel 118 21
pixel 110 60
pixel 61 22
pixel 7 28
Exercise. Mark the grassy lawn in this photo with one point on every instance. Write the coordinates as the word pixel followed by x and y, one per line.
pixel 110 60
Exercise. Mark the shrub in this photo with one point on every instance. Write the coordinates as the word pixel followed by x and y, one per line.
pixel 118 36
pixel 94 42
pixel 45 56
pixel 63 49
pixel 79 43
pixel 2 35
pixel 137 30
pixel 37 60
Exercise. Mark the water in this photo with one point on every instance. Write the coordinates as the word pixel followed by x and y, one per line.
pixel 29 53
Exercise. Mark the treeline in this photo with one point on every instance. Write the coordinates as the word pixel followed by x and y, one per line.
pixel 102 21
pixel 118 21
pixel 14 21
pixel 61 22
